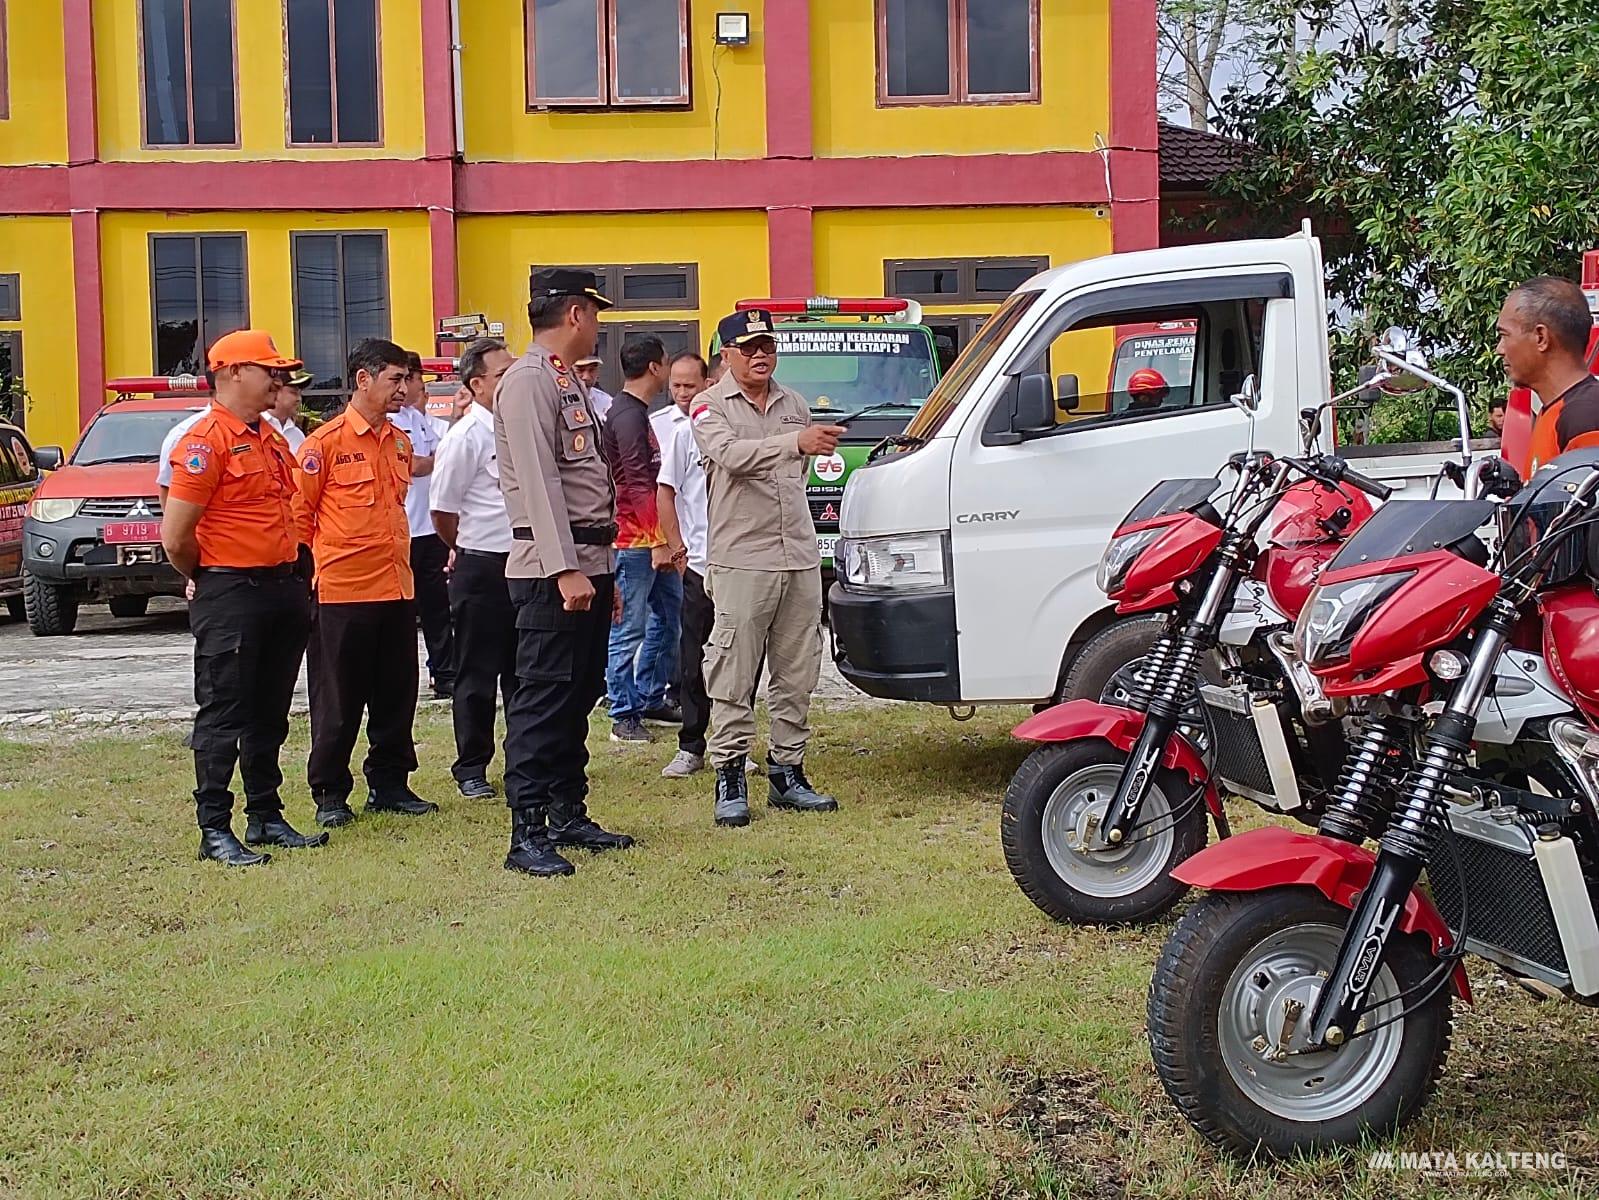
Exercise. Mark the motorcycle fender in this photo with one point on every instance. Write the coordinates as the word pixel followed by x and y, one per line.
pixel 1279 857
pixel 1120 727
pixel 1164 596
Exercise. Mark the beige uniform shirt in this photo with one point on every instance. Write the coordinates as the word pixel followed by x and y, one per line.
pixel 552 473
pixel 755 476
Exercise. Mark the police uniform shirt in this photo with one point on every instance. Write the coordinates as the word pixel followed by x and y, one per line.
pixel 466 482
pixel 552 473
pixel 755 472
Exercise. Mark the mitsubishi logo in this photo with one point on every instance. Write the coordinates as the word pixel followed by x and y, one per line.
pixel 829 513
pixel 141 508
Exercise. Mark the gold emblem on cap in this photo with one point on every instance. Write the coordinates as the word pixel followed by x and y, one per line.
pixel 756 325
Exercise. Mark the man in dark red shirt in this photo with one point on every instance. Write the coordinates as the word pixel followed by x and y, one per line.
pixel 645 577
pixel 1544 329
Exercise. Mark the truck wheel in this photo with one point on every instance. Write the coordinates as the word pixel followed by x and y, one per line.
pixel 1106 653
pixel 17 607
pixel 51 610
pixel 1241 971
pixel 129 606
pixel 1054 803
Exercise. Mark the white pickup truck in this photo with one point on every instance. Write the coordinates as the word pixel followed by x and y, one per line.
pixel 969 548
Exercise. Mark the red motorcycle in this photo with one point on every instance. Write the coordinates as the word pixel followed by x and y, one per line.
pixel 1305 1002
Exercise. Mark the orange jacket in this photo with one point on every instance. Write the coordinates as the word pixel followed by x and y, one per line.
pixel 245 480
pixel 353 480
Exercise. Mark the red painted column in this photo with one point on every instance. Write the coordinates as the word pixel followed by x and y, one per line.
pixel 1134 128
pixel 438 99
pixel 791 251
pixel 83 146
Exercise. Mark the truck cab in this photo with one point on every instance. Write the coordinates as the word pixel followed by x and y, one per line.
pixel 969 547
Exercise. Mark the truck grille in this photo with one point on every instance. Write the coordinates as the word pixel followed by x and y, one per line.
pixel 1508 907
pixel 121 507
pixel 1238 758
pixel 825 510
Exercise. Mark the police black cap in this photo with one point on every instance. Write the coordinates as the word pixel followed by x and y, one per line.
pixel 551 282
pixel 742 326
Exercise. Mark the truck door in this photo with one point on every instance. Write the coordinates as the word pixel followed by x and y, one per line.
pixel 1030 519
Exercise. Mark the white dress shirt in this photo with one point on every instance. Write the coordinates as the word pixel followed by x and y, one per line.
pixel 683 471
pixel 425 433
pixel 600 401
pixel 466 482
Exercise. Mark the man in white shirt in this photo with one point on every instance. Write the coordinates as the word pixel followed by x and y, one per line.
pixel 682 505
pixel 468 512
pixel 429 554
pixel 588 370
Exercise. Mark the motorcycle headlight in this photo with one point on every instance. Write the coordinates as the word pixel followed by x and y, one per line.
pixel 1328 624
pixel 54 510
pixel 905 562
pixel 1120 555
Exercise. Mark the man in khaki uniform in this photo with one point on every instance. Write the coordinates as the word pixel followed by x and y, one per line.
pixel 764 573
pixel 562 509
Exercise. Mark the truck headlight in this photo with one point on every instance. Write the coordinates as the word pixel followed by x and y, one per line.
pixel 902 562
pixel 54 510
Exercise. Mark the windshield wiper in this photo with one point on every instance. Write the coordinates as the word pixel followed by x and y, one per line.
pixel 121 458
pixel 901 441
pixel 872 408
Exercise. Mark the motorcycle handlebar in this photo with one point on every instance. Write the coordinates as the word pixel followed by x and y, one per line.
pixel 1332 470
pixel 1368 485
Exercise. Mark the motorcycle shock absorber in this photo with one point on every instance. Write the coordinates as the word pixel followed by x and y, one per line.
pixel 1369 780
pixel 1154 667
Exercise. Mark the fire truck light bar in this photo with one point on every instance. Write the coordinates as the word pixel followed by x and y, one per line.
pixel 138 385
pixel 816 306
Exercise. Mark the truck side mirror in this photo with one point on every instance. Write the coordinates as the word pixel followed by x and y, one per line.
pixel 48 458
pixel 1026 410
pixel 1066 396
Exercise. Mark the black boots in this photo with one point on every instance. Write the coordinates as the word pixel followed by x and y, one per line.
pixel 333 811
pixel 532 853
pixel 221 846
pixel 400 800
pixel 790 789
pixel 732 794
pixel 270 829
pixel 571 825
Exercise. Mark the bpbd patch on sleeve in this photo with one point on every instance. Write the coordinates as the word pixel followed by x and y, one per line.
pixel 311 464
pixel 196 458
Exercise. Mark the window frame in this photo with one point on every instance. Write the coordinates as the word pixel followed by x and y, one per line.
pixel 617 332
pixel 199 284
pixel 188 94
pixel 11 284
pixel 958 93
pixel 14 337
pixel 605 46
pixel 295 236
pixel 333 83
pixel 966 274
pixel 612 278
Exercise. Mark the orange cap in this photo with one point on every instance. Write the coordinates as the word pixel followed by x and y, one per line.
pixel 1146 379
pixel 247 346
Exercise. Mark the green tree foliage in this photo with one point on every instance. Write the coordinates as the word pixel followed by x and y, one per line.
pixel 1445 152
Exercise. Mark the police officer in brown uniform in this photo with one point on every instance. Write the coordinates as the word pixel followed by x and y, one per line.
pixel 764 574
pixel 562 508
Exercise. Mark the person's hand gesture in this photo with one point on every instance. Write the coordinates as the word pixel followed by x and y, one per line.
pixel 820 439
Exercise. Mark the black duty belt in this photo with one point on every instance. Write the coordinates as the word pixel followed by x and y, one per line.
pixel 281 571
pixel 582 535
pixel 496 555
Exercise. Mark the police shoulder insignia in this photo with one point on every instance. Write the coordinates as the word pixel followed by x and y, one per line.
pixel 562 382
pixel 196 458
pixel 578 443
pixel 555 361
pixel 311 464
pixel 580 415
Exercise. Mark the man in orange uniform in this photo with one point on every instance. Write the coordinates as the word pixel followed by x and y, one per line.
pixel 1544 329
pixel 354 472
pixel 229 526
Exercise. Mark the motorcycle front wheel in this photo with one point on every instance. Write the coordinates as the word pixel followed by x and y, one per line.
pixel 1229 1010
pixel 1049 829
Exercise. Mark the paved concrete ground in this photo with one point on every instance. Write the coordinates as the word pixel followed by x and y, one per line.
pixel 113 670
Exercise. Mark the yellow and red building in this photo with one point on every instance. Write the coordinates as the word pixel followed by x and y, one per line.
pixel 330 169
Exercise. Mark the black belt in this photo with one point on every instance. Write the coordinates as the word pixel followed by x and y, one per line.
pixel 281 571
pixel 582 535
pixel 496 555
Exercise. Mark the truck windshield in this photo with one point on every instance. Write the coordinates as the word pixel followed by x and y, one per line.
pixel 951 389
pixel 127 436
pixel 845 370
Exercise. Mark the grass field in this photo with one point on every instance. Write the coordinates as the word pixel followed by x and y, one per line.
pixel 854 1006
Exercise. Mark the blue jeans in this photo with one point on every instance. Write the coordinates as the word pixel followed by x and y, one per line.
pixel 629 673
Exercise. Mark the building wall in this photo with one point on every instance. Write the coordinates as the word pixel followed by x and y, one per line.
pixel 125 268
pixel 39 249
pixel 36 131
pixel 726 120
pixel 260 67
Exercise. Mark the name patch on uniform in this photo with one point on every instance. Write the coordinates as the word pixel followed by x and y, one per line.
pixel 312 464
pixel 244 449
pixel 341 459
pixel 196 458
pixel 791 420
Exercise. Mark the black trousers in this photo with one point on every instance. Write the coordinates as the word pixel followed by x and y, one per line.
pixel 362 657
pixel 249 638
pixel 698 616
pixel 560 674
pixel 485 652
pixel 429 554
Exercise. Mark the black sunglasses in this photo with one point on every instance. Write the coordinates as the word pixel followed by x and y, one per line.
pixel 757 345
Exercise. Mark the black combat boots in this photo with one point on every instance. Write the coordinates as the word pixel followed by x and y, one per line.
pixel 790 789
pixel 732 793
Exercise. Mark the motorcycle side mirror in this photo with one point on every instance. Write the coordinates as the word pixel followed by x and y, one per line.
pixel 1247 398
pixel 1396 353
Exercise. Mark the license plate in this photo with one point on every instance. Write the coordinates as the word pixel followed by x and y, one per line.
pixel 826 544
pixel 122 533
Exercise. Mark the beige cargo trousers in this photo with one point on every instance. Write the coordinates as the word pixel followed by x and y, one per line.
pixel 772 614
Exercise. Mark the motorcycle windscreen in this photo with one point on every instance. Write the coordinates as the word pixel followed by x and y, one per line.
pixel 1405 527
pixel 1173 496
pixel 1524 522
